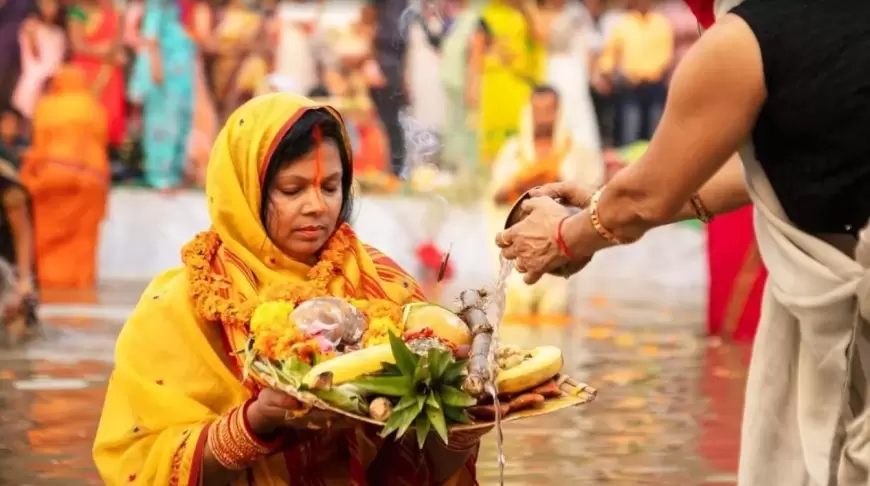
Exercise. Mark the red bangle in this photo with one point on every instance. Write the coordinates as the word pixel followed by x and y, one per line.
pixel 561 242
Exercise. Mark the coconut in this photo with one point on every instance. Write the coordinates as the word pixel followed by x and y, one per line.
pixel 444 324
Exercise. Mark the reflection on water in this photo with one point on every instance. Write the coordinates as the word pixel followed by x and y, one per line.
pixel 668 408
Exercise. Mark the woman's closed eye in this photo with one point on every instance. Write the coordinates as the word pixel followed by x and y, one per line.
pixel 330 188
pixel 291 191
pixel 297 190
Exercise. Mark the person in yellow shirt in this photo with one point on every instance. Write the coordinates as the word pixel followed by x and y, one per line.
pixel 634 65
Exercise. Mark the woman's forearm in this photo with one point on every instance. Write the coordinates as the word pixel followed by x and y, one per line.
pixel 214 473
pixel 235 442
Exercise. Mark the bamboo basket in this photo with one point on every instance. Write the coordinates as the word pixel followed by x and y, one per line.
pixel 574 394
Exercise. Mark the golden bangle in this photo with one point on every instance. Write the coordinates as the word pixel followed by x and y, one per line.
pixel 231 444
pixel 602 231
pixel 701 211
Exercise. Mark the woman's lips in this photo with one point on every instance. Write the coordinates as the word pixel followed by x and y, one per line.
pixel 310 232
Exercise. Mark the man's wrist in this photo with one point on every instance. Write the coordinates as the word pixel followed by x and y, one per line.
pixel 576 233
pixel 572 233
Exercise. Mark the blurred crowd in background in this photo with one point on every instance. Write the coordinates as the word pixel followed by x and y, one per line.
pixel 478 100
pixel 166 73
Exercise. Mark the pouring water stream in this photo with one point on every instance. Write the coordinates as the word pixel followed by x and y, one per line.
pixel 498 302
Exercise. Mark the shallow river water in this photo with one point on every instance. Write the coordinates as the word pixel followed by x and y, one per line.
pixel 668 409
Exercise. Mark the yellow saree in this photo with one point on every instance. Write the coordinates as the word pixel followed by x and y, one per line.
pixel 175 371
pixel 513 65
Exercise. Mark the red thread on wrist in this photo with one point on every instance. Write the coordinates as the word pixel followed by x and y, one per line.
pixel 563 247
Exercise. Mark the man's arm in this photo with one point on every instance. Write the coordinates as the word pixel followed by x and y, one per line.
pixel 713 103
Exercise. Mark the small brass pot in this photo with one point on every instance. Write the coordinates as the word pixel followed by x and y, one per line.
pixel 516 215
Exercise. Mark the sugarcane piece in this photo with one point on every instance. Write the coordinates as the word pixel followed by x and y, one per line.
pixel 479 369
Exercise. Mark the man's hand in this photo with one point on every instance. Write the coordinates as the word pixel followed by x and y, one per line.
pixel 565 192
pixel 533 241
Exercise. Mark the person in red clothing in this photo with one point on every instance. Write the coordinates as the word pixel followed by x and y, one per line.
pixel 94 30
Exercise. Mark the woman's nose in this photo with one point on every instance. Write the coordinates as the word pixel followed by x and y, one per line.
pixel 314 203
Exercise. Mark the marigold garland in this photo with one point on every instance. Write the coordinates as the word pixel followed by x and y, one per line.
pixel 274 337
pixel 207 288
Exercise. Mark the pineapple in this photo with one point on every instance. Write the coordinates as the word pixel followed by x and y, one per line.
pixel 424 389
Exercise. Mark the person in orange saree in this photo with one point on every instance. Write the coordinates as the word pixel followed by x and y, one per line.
pixel 279 195
pixel 67 174
pixel 94 29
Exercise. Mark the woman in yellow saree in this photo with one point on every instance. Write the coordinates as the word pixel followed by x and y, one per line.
pixel 512 65
pixel 279 195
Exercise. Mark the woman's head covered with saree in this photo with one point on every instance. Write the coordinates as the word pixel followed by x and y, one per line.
pixel 279 196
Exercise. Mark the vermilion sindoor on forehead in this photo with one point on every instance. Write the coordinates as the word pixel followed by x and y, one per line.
pixel 318 165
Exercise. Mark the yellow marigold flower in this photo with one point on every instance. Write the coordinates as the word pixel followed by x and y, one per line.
pixel 376 339
pixel 271 314
pixel 382 324
pixel 379 331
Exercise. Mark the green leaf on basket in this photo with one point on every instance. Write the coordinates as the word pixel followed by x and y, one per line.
pixel 436 417
pixel 295 368
pixel 345 399
pixel 454 371
pixel 454 397
pixel 406 360
pixel 423 426
pixel 456 415
pixel 390 386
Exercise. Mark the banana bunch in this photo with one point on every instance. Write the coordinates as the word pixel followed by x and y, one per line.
pixel 520 371
pixel 350 366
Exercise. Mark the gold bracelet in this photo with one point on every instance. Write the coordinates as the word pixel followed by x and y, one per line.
pixel 602 231
pixel 701 211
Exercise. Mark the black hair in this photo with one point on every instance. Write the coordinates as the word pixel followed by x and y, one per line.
pixel 300 140
pixel 546 89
